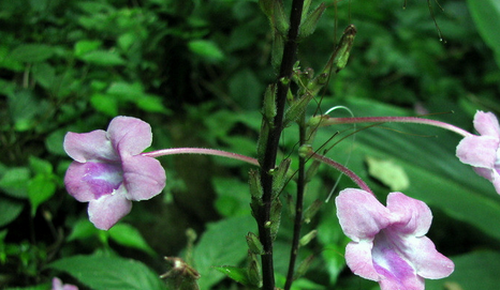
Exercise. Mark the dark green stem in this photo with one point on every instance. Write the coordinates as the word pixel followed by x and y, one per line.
pixel 299 204
pixel 269 159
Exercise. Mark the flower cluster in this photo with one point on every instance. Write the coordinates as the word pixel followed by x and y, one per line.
pixel 109 172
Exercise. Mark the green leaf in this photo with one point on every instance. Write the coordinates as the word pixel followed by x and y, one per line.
pixel 299 284
pixel 388 172
pixel 9 210
pixel 23 107
pixel 125 41
pixel 82 229
pixel 45 286
pixel 44 74
pixel 246 89
pixel 32 53
pixel 486 15
pixel 110 273
pixel 477 270
pixel 83 47
pixel 7 62
pixel 151 103
pixel 127 235
pixel 333 240
pixel 232 196
pixel 54 142
pixel 14 182
pixel 40 188
pixel 135 93
pixel 126 90
pixel 237 274
pixel 223 243
pixel 207 49
pixel 103 58
pixel 40 166
pixel 105 103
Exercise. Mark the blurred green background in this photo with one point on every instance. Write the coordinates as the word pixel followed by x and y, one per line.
pixel 196 71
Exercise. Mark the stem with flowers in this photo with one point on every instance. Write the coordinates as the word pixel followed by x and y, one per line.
pixel 389 246
pixel 275 127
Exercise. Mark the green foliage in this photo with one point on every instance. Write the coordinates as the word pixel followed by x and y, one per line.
pixel 109 273
pixel 487 17
pixel 197 72
pixel 223 243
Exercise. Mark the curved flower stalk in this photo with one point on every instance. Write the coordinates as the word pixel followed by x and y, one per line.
pixel 109 172
pixel 389 245
pixel 483 152
pixel 58 285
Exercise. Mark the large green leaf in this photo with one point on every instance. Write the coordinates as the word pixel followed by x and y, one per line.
pixel 45 286
pixel 14 182
pixel 110 273
pixel 129 236
pixel 223 243
pixel 9 210
pixel 207 49
pixel 103 58
pixel 31 52
pixel 427 155
pixel 486 15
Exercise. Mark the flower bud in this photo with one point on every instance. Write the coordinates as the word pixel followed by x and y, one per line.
pixel 280 177
pixel 312 210
pixel 254 272
pixel 310 22
pixel 308 237
pixel 303 267
pixel 254 244
pixel 269 108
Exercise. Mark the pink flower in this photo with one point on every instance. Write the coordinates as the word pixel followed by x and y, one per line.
pixel 483 152
pixel 389 245
pixel 109 172
pixel 58 285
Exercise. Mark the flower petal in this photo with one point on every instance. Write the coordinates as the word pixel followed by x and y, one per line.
pixel 106 211
pixel 478 151
pixel 129 135
pixel 358 257
pixel 390 261
pixel 360 214
pixel 428 262
pixel 94 145
pixel 144 177
pixel 91 180
pixel 413 216
pixel 487 124
pixel 58 285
